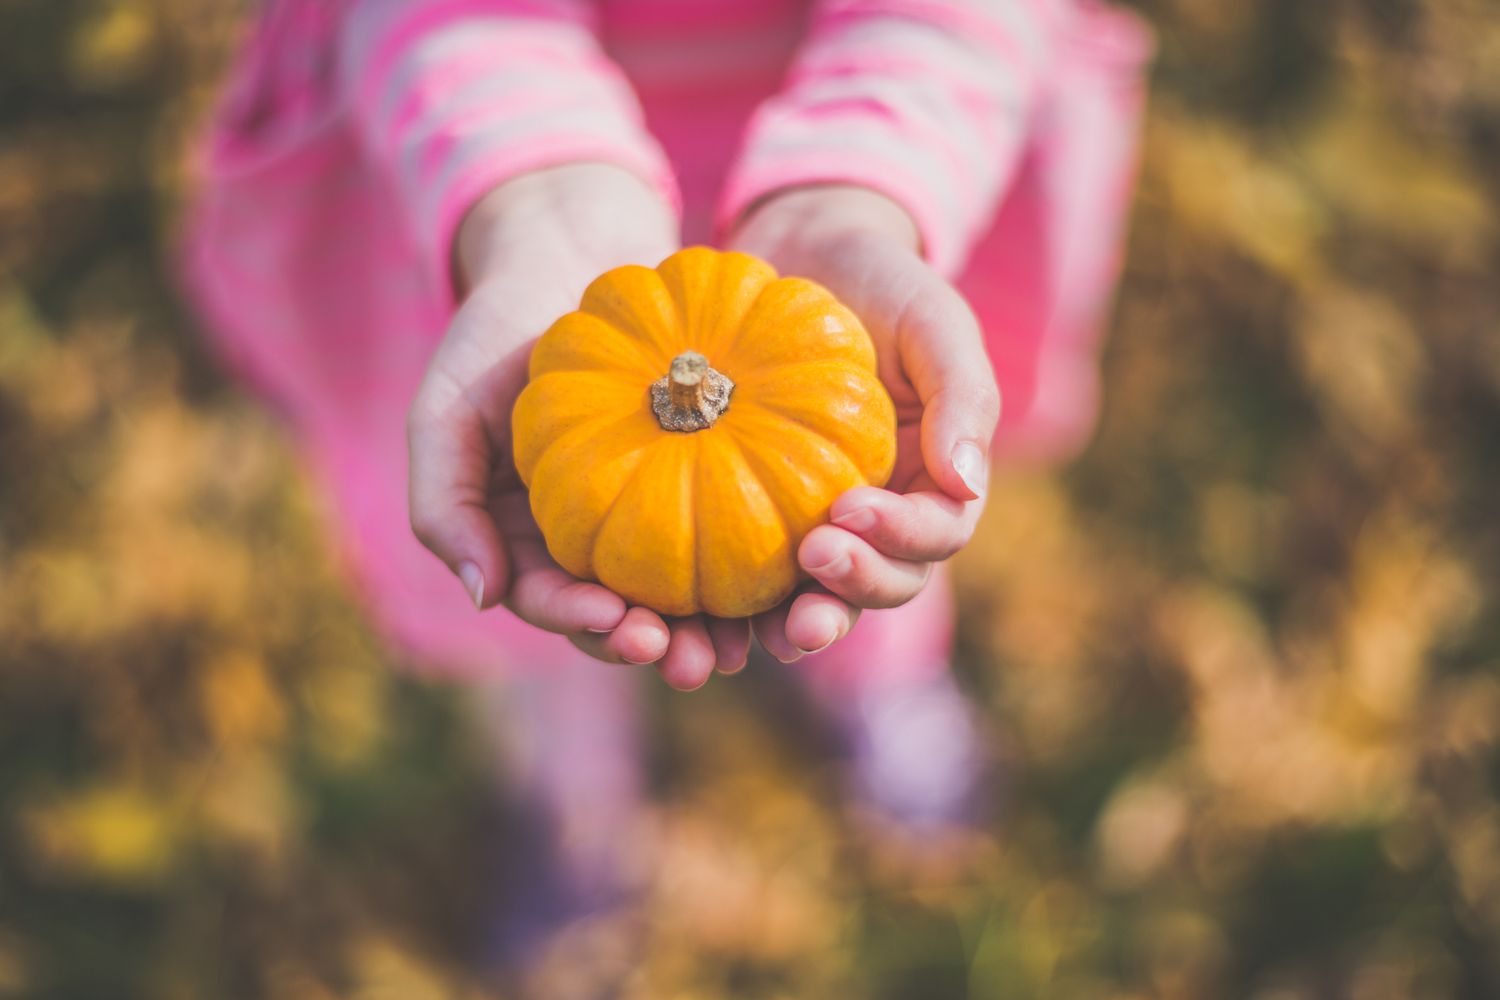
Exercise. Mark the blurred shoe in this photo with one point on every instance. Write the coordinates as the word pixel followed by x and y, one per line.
pixel 918 776
pixel 564 928
pixel 915 753
pixel 577 843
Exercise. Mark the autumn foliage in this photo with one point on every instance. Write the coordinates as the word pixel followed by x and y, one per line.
pixel 1242 657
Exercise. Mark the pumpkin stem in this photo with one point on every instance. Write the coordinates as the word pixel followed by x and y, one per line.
pixel 691 396
pixel 685 380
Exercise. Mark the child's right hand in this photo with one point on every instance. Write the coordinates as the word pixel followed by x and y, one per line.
pixel 522 258
pixel 881 544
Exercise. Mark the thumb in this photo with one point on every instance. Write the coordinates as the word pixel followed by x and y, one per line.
pixel 944 356
pixel 449 476
pixel 957 426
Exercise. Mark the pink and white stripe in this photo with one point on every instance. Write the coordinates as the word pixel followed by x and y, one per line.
pixel 928 101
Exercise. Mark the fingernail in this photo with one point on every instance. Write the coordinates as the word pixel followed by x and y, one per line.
pixel 859 520
pixel 599 631
pixel 473 581
pixel 968 462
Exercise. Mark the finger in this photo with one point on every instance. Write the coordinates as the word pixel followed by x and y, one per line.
pixel 849 567
pixel 641 638
pixel 942 353
pixel 731 639
pixel 595 645
pixel 925 526
pixel 449 463
pixel 543 594
pixel 818 619
pixel 555 600
pixel 690 657
pixel 770 629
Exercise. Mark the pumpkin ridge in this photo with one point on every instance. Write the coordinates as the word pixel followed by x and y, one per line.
pixel 850 344
pixel 603 519
pixel 596 428
pixel 642 349
pixel 755 465
pixel 692 507
pixel 604 380
pixel 808 431
pixel 731 455
pixel 630 379
pixel 679 291
pixel 861 400
pixel 756 378
pixel 618 307
pixel 596 423
pixel 723 287
pixel 739 332
pixel 645 345
pixel 709 279
pixel 626 485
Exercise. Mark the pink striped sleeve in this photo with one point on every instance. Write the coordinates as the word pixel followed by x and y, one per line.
pixel 924 100
pixel 457 96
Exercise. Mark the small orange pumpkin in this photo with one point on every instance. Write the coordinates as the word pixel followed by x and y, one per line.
pixel 689 424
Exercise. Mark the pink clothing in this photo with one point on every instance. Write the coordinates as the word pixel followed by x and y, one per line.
pixel 355 134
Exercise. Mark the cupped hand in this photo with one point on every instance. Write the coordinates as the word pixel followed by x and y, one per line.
pixel 879 545
pixel 522 258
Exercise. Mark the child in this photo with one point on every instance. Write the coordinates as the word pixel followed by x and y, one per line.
pixel 393 187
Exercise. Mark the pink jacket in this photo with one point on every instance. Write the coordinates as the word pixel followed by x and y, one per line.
pixel 354 134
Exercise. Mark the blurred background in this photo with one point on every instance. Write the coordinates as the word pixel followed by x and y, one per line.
pixel 1243 657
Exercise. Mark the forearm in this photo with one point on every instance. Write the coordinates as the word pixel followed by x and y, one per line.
pixel 808 222
pixel 455 98
pixel 586 216
pixel 925 102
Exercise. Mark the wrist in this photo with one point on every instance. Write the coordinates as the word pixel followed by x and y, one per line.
pixel 821 217
pixel 593 216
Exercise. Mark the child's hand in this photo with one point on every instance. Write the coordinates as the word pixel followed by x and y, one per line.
pixel 881 544
pixel 524 255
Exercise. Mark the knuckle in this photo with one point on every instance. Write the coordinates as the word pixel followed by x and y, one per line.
pixel 926 531
pixel 960 537
pixel 889 597
pixel 901 589
pixel 433 404
pixel 954 312
pixel 949 549
pixel 424 526
pixel 987 400
pixel 903 527
pixel 981 398
pixel 419 415
pixel 884 592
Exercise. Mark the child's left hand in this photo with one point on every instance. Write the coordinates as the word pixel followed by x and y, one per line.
pixel 880 545
pixel 523 256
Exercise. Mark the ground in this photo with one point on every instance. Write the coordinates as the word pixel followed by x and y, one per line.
pixel 1241 657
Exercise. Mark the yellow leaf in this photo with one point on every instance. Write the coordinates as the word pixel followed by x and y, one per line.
pixel 115 832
